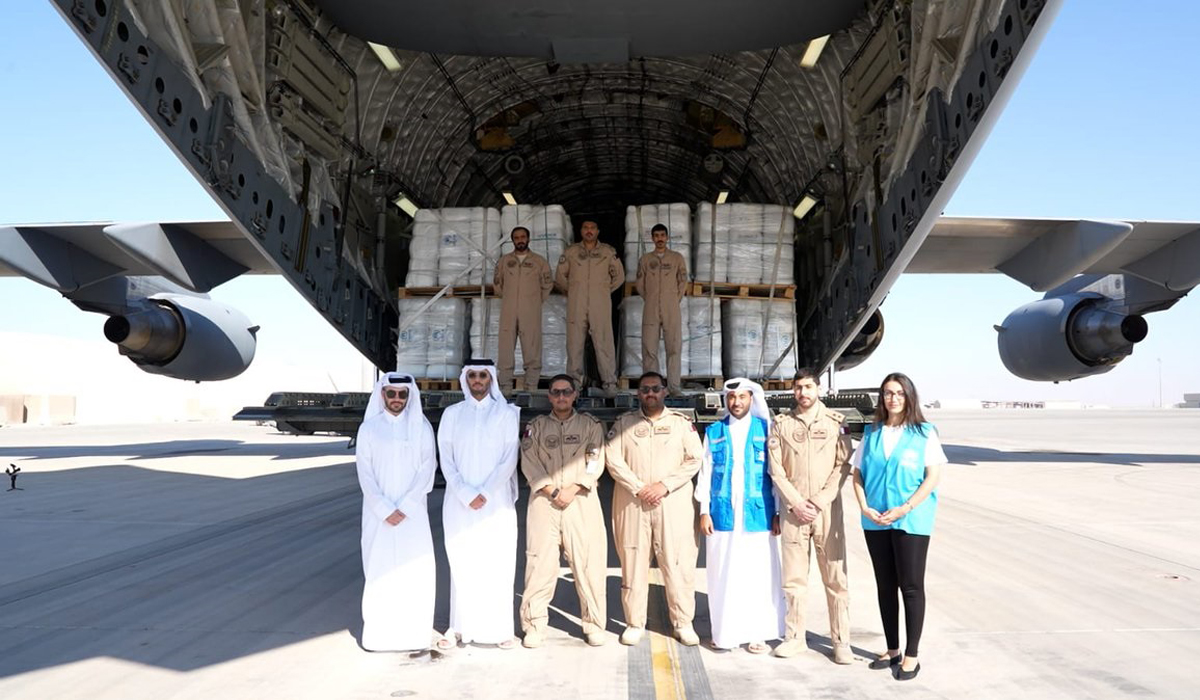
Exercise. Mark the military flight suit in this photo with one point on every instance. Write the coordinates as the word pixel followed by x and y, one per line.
pixel 640 452
pixel 662 282
pixel 555 454
pixel 522 286
pixel 809 458
pixel 588 278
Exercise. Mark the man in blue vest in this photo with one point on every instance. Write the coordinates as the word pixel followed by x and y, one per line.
pixel 738 519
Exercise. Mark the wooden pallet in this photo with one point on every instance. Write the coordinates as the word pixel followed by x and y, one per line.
pixel 470 290
pixel 777 384
pixel 631 383
pixel 723 290
pixel 438 384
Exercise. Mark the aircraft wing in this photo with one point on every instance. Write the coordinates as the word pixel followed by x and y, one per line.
pixel 1045 253
pixel 197 255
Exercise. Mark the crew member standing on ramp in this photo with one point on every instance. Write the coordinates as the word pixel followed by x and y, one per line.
pixel 522 282
pixel 662 282
pixel 588 273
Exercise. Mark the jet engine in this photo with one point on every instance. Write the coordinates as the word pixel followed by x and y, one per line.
pixel 1067 337
pixel 865 341
pixel 185 337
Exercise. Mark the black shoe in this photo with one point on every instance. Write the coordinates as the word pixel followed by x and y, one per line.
pixel 884 662
pixel 902 675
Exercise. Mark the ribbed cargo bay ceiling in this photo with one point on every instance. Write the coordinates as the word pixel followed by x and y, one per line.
pixel 671 121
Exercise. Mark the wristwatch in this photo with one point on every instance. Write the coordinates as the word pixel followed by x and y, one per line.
pixel 554 493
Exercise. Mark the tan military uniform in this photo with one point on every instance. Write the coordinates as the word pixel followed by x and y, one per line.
pixel 662 281
pixel 809 458
pixel 522 286
pixel 641 452
pixel 588 278
pixel 554 454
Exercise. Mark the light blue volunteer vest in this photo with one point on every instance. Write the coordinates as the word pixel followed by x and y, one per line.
pixel 758 503
pixel 888 483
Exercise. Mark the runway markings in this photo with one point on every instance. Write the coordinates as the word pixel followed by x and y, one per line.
pixel 665 669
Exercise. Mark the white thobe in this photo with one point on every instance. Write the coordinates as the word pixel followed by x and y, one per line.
pixel 745 590
pixel 478 442
pixel 395 471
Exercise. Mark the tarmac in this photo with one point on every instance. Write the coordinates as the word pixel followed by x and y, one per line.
pixel 202 560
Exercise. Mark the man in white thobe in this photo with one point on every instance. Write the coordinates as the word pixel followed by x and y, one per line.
pixel 478 439
pixel 738 519
pixel 396 461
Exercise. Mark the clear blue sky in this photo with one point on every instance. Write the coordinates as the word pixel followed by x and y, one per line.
pixel 1102 126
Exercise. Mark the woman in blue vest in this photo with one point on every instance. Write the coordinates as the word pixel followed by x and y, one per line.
pixel 896 471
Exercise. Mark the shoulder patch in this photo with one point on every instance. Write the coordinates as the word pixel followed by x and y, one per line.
pixel 773 442
pixel 526 442
pixel 562 259
pixel 612 433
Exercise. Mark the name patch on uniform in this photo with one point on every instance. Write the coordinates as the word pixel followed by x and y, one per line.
pixel 641 431
pixel 662 430
pixel 570 439
pixel 820 433
pixel 666 267
pixel 551 441
pixel 527 264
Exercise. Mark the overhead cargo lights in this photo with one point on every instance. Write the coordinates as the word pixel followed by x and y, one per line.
pixel 722 196
pixel 805 206
pixel 406 205
pixel 813 51
pixel 509 198
pixel 386 56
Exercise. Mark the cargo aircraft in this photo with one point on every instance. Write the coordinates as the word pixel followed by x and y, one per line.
pixel 321 126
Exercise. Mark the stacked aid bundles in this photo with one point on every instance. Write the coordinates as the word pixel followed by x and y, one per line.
pixel 454 246
pixel 431 342
pixel 744 244
pixel 758 333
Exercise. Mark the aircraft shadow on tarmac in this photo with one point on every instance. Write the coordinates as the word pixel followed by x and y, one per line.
pixel 181 595
pixel 971 455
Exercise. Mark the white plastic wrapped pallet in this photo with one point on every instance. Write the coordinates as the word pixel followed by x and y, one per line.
pixel 702 341
pixel 737 243
pixel 639 220
pixel 431 344
pixel 447 246
pixel 756 333
pixel 554 334
pixel 549 229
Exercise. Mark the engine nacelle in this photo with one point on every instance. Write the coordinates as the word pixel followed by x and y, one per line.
pixel 1067 337
pixel 865 342
pixel 185 337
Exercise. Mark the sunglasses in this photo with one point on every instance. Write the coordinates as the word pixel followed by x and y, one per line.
pixel 652 389
pixel 478 375
pixel 561 392
pixel 395 394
